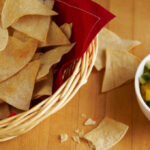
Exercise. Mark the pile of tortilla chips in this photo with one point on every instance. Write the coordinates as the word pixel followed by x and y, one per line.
pixel 114 55
pixel 26 67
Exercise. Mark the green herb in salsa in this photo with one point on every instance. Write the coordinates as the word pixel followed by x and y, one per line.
pixel 145 83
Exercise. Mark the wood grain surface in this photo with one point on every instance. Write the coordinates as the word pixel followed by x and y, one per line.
pixel 133 22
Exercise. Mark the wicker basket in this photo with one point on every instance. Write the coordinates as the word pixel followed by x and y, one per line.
pixel 21 123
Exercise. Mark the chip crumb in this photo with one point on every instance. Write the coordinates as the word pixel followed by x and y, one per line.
pixel 63 137
pixel 90 122
pixel 76 139
pixel 79 132
pixel 83 115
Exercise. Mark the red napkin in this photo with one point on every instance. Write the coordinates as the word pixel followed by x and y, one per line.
pixel 12 114
pixel 87 18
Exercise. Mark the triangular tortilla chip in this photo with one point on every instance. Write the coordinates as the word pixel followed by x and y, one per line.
pixel 55 37
pixel 17 90
pixel 120 67
pixel 50 58
pixel 16 55
pixel 44 87
pixel 3 38
pixel 1 101
pixel 67 29
pixel 48 3
pixel 20 36
pixel 108 39
pixel 1 5
pixel 37 56
pixel 108 133
pixel 34 26
pixel 4 110
pixel 15 9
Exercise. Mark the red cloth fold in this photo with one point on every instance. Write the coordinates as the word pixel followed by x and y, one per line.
pixel 12 114
pixel 88 18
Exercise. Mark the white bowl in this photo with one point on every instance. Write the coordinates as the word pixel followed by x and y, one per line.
pixel 140 70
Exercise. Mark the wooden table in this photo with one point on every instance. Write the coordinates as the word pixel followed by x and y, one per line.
pixel 133 22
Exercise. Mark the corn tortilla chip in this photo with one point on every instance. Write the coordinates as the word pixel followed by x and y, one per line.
pixel 17 90
pixel 1 5
pixel 55 37
pixel 37 56
pixel 50 58
pixel 67 29
pixel 15 9
pixel 34 26
pixel 1 101
pixel 4 110
pixel 20 36
pixel 3 38
pixel 108 133
pixel 48 3
pixel 120 68
pixel 16 55
pixel 109 40
pixel 44 87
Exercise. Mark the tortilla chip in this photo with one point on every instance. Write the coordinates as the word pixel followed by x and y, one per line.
pixel 1 101
pixel 20 36
pixel 3 38
pixel 67 29
pixel 34 26
pixel 52 57
pixel 44 87
pixel 4 110
pixel 120 68
pixel 15 9
pixel 48 3
pixel 1 5
pixel 55 37
pixel 16 55
pixel 17 90
pixel 109 40
pixel 108 133
pixel 37 56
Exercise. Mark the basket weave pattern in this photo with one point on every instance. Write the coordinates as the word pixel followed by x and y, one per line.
pixel 21 123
